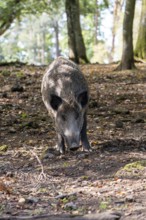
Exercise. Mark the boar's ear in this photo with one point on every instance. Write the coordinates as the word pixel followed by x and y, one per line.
pixel 55 102
pixel 83 98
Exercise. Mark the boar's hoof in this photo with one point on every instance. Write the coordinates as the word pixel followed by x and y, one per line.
pixel 87 149
pixel 60 149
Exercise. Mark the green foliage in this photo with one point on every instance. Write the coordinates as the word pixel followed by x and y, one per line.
pixel 24 115
pixel 103 206
pixel 132 169
pixel 31 37
pixel 2 207
pixel 5 72
pixel 65 164
pixel 89 7
pixel 9 10
pixel 28 39
pixel 140 165
pixel 3 148
pixel 20 74
pixel 65 200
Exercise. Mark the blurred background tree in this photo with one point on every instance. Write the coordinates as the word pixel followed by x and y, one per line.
pixel 127 60
pixel 36 31
pixel 140 50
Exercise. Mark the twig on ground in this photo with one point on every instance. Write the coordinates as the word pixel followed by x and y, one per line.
pixel 42 174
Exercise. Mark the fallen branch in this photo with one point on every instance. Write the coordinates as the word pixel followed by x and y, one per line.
pixel 97 216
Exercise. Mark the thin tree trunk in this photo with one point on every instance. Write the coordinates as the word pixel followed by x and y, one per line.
pixel 56 29
pixel 96 15
pixel 116 17
pixel 38 48
pixel 43 47
pixel 127 61
pixel 140 50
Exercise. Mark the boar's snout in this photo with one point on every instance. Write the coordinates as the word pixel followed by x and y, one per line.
pixel 73 143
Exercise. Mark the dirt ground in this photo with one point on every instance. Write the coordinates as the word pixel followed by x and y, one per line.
pixel 35 181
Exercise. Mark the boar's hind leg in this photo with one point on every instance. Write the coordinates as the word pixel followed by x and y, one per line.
pixel 61 144
pixel 84 138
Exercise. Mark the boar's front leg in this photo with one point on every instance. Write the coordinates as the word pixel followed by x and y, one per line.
pixel 84 138
pixel 61 144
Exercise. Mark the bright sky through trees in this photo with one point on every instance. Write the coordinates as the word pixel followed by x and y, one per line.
pixel 24 39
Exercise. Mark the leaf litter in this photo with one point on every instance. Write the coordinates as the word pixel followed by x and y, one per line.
pixel 79 183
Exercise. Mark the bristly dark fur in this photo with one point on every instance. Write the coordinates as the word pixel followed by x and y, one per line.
pixel 64 88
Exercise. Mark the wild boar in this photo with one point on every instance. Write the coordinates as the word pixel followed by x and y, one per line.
pixel 65 94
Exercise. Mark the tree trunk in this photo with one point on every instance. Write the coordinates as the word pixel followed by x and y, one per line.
pixel 96 16
pixel 56 29
pixel 43 36
pixel 77 51
pixel 116 18
pixel 127 61
pixel 140 50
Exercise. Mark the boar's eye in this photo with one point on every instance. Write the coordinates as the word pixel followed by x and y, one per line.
pixel 55 102
pixel 83 98
pixel 63 116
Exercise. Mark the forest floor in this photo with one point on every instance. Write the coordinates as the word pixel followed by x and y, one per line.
pixel 35 181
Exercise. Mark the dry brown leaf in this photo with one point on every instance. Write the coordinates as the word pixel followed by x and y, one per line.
pixel 4 188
